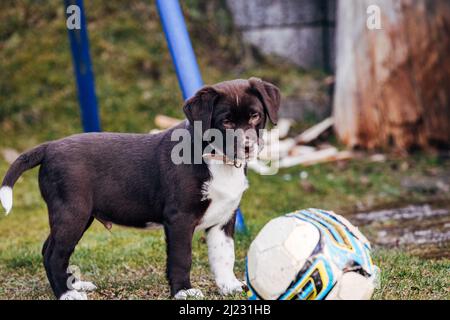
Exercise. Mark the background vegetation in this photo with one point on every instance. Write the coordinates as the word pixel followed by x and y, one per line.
pixel 135 81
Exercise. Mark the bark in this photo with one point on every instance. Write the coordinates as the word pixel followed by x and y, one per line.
pixel 393 85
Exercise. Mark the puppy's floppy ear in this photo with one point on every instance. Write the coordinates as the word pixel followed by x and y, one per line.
pixel 201 106
pixel 269 96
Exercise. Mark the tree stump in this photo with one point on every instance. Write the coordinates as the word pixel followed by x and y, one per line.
pixel 393 85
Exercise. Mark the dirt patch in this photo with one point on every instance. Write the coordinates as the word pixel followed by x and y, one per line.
pixel 423 230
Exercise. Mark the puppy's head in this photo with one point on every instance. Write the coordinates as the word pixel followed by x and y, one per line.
pixel 238 107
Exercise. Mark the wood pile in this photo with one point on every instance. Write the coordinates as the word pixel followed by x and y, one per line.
pixel 287 151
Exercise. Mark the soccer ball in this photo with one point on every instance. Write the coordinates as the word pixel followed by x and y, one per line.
pixel 310 255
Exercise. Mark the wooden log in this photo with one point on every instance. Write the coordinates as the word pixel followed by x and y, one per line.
pixel 165 122
pixel 301 150
pixel 393 85
pixel 320 156
pixel 274 149
pixel 283 126
pixel 10 155
pixel 314 132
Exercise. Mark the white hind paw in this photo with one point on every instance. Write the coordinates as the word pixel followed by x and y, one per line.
pixel 189 294
pixel 84 286
pixel 73 295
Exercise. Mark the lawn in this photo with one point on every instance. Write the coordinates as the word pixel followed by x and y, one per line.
pixel 130 264
pixel 135 81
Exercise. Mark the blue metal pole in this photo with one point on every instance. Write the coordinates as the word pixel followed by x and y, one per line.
pixel 240 222
pixel 180 47
pixel 183 56
pixel 79 43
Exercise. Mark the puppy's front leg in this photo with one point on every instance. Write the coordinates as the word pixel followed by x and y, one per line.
pixel 179 260
pixel 221 258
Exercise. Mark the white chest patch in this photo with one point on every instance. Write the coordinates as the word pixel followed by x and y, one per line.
pixel 225 191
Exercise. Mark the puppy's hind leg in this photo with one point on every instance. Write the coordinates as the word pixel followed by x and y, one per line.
pixel 179 259
pixel 67 225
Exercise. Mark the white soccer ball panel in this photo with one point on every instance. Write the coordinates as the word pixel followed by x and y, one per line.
pixel 273 272
pixel 278 253
pixel 274 233
pixel 352 286
pixel 302 241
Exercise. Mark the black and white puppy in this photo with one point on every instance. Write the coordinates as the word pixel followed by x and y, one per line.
pixel 132 180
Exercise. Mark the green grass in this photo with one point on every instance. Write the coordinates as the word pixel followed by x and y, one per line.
pixel 130 264
pixel 135 81
pixel 406 277
pixel 134 76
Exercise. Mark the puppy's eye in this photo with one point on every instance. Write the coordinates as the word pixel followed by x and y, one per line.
pixel 255 117
pixel 227 123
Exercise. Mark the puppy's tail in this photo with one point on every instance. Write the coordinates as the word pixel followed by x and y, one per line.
pixel 24 162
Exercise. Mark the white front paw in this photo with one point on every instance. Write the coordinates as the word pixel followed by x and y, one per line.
pixel 84 286
pixel 230 287
pixel 73 295
pixel 189 293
